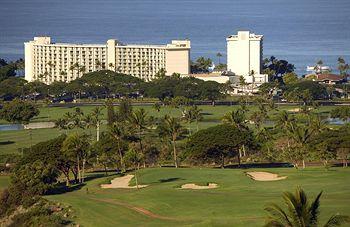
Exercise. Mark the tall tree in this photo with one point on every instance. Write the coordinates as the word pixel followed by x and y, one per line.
pixel 236 118
pixel 18 111
pixel 124 110
pixel 139 121
pixel 134 158
pixel 111 116
pixel 76 147
pixel 318 67
pixel 301 135
pixel 217 144
pixel 172 128
pixel 219 55
pixel 276 68
pixel 343 67
pixel 300 212
pixel 96 118
pixel 118 133
pixel 201 65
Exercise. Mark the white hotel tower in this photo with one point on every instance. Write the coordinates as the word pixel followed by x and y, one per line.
pixel 245 56
pixel 48 62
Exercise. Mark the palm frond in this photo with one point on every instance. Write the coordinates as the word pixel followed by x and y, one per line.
pixel 337 220
pixel 274 223
pixel 314 210
pixel 293 207
pixel 278 215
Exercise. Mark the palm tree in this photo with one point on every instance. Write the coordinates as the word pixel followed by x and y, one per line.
pixel 264 135
pixel 190 114
pixel 300 212
pixel 82 70
pixel 236 118
pixel 343 67
pixel 317 124
pixel 75 119
pixel 318 66
pixel 157 106
pixel 98 64
pixel 172 128
pixel 51 65
pixel 187 116
pixel 138 120
pixel 43 77
pixel 258 118
pixel 197 115
pixel 63 74
pixel 76 146
pixel 78 118
pixel 88 122
pixel 301 135
pixel 284 120
pixel 61 124
pixel 219 55
pixel 118 132
pixel 76 67
pixel 96 114
pixel 71 69
pixel 134 158
pixel 242 81
pixel 111 66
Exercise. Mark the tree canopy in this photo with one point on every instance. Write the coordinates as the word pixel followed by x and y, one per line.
pixel 19 111
pixel 217 143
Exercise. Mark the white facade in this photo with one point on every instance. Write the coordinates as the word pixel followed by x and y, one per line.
pixel 245 55
pixel 48 62
pixel 217 77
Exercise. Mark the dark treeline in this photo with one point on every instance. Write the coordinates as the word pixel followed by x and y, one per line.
pixel 108 84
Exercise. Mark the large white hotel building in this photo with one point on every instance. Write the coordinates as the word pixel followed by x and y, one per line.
pixel 48 62
pixel 245 56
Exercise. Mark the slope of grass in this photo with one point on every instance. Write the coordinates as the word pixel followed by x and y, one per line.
pixel 239 201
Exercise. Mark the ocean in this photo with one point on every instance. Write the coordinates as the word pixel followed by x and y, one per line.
pixel 300 31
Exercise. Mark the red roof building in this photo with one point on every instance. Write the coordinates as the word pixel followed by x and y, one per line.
pixel 330 78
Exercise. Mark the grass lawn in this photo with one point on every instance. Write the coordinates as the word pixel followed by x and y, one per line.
pixel 239 201
pixel 4 182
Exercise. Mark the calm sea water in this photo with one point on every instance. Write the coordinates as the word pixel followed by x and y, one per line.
pixel 301 31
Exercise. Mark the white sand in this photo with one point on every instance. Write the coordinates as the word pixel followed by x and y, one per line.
pixel 264 176
pixel 121 182
pixel 294 110
pixel 297 110
pixel 198 187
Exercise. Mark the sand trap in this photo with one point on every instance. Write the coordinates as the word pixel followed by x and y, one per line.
pixel 198 187
pixel 294 110
pixel 121 182
pixel 297 110
pixel 264 176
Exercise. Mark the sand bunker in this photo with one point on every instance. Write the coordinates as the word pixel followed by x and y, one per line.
pixel 121 182
pixel 264 176
pixel 294 110
pixel 198 187
pixel 297 110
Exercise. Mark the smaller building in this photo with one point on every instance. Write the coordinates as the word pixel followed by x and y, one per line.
pixel 215 76
pixel 326 78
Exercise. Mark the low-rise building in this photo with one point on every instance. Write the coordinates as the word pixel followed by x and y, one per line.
pixel 326 78
pixel 215 76
pixel 48 62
